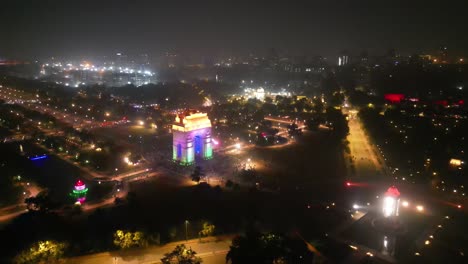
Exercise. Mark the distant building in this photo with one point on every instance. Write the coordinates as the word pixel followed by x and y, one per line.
pixel 171 60
pixel 191 136
pixel 252 93
pixel 343 60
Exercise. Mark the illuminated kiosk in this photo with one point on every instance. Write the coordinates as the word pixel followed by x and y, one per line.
pixel 191 136
pixel 79 193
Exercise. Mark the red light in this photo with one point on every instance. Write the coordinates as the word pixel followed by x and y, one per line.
pixel 442 102
pixel 393 191
pixel 348 184
pixel 394 98
pixel 459 206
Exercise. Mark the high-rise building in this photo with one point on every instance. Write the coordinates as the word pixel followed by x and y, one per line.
pixel 343 59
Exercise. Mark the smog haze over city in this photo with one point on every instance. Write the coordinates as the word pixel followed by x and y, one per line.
pixel 233 132
pixel 41 29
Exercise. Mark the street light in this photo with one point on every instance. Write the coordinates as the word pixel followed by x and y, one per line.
pixel 186 229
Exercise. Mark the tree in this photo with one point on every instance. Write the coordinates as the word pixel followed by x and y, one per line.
pixel 293 129
pixel 197 174
pixel 338 122
pixel 229 184
pixel 268 248
pixel 312 124
pixel 336 99
pixel 41 202
pixel 249 175
pixel 181 255
pixel 41 252
pixel 126 239
pixel 268 100
pixel 208 229
pixel 317 105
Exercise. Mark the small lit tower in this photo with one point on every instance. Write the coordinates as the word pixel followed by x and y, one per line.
pixel 191 135
pixel 79 192
pixel 391 202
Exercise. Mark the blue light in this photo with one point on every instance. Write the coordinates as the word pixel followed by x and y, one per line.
pixel 38 157
pixel 198 144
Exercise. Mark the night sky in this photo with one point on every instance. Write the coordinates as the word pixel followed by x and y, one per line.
pixel 39 29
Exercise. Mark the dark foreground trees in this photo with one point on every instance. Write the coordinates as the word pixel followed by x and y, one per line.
pixel 181 255
pixel 267 249
pixel 197 174
pixel 41 202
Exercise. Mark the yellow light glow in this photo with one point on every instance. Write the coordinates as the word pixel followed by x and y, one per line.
pixel 191 122
pixel 455 162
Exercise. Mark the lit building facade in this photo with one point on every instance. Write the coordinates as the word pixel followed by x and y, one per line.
pixel 391 202
pixel 343 60
pixel 191 137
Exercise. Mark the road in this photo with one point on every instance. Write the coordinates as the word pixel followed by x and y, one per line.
pixel 68 115
pixel 212 252
pixel 10 212
pixel 366 160
pixel 26 100
pixel 284 120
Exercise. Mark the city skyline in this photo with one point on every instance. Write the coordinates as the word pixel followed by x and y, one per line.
pixel 235 132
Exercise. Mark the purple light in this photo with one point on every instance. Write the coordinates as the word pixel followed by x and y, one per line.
pixel 80 188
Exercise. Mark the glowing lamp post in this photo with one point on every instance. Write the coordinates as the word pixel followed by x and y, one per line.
pixel 79 192
pixel 391 202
